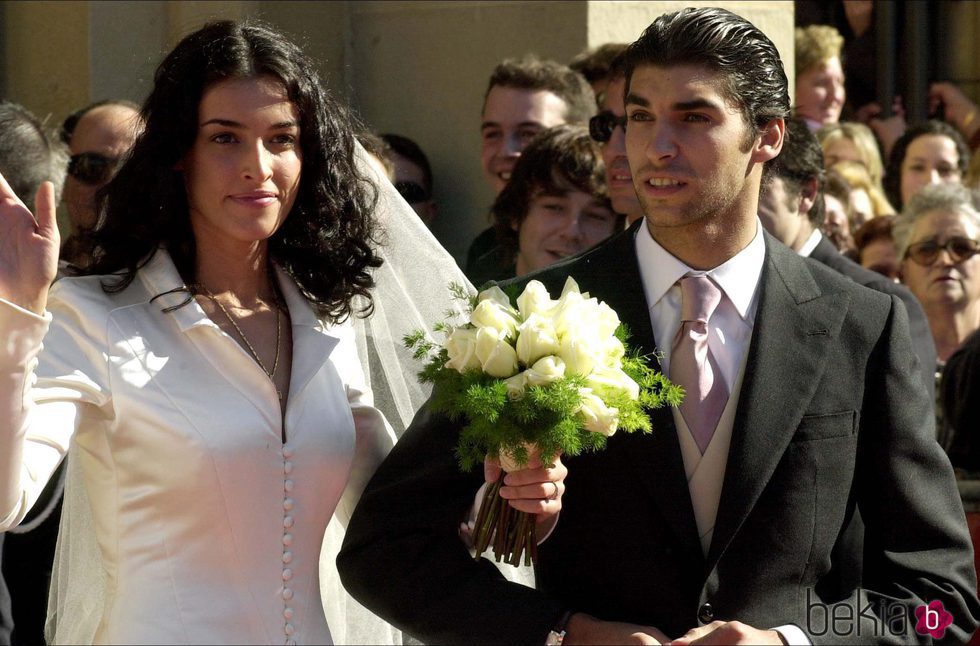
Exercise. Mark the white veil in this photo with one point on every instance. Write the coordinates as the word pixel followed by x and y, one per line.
pixel 411 293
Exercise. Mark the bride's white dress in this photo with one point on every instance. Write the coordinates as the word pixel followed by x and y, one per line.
pixel 209 527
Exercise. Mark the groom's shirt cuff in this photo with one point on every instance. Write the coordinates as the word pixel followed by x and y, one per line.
pixel 793 635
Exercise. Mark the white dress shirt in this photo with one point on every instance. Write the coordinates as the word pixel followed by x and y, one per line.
pixel 729 335
pixel 810 244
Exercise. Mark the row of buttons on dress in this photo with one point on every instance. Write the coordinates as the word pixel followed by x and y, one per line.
pixel 287 543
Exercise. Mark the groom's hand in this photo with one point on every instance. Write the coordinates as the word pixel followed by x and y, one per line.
pixel 535 489
pixel 586 629
pixel 728 632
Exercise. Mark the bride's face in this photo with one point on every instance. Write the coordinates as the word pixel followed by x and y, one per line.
pixel 243 171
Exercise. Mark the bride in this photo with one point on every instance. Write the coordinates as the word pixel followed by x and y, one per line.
pixel 203 372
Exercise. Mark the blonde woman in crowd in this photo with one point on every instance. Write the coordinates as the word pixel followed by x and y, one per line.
pixel 819 75
pixel 865 200
pixel 854 142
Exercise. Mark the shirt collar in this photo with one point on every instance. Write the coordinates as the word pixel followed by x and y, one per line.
pixel 810 244
pixel 738 276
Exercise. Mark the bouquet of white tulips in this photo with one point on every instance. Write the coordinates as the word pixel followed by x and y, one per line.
pixel 535 375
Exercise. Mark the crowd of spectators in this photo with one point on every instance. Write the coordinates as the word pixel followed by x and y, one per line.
pixel 895 202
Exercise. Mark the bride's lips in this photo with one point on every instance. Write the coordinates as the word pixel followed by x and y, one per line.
pixel 255 198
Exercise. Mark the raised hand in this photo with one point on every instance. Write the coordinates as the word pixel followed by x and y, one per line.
pixel 28 247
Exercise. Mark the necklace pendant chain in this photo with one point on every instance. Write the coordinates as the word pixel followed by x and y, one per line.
pixel 248 345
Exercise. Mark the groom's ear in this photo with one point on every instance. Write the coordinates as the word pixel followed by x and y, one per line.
pixel 770 141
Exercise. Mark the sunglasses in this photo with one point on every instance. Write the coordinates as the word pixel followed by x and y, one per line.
pixel 959 248
pixel 412 192
pixel 92 168
pixel 602 125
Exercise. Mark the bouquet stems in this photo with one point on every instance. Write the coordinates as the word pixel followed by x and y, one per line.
pixel 511 531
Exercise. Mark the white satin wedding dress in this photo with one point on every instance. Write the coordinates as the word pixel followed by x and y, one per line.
pixel 187 519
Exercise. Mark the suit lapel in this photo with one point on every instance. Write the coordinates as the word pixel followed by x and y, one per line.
pixel 778 384
pixel 612 274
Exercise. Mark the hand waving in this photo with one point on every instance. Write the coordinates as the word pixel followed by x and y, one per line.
pixel 28 247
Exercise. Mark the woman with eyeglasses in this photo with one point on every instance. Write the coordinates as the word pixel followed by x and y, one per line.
pixel 205 374
pixel 938 238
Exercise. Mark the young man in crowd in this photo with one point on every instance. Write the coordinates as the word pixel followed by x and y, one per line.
pixel 803 404
pixel 524 97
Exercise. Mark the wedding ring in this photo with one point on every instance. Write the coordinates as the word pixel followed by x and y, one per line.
pixel 553 496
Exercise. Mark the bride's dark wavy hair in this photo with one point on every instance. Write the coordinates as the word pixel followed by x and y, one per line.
pixel 325 244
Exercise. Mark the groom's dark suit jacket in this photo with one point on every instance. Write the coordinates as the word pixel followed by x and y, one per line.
pixel 922 343
pixel 831 416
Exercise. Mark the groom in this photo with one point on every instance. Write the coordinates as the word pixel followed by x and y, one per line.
pixel 723 524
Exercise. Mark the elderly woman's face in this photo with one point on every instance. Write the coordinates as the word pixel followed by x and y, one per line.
pixel 820 92
pixel 929 159
pixel 945 277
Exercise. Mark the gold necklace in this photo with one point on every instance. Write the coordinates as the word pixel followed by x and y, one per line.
pixel 255 355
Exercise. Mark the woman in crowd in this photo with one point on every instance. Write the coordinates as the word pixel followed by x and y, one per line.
pixel 875 245
pixel 203 369
pixel 932 152
pixel 853 142
pixel 554 206
pixel 865 201
pixel 937 235
pixel 819 75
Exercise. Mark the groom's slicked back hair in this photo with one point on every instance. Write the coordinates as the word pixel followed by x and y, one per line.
pixel 723 42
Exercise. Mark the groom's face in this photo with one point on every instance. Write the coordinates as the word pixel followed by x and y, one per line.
pixel 689 148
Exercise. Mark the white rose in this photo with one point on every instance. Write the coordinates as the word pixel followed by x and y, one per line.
pixel 606 320
pixel 612 353
pixel 545 371
pixel 494 294
pixel 515 386
pixel 604 379
pixel 534 300
pixel 578 355
pixel 496 355
pixel 536 338
pixel 490 313
pixel 598 417
pixel 568 312
pixel 461 347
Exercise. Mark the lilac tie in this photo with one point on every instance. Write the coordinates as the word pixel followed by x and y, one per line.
pixel 691 363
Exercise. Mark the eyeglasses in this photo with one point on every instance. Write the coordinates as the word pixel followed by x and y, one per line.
pixel 926 252
pixel 412 192
pixel 602 125
pixel 91 168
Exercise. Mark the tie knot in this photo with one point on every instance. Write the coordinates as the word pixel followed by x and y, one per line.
pixel 699 298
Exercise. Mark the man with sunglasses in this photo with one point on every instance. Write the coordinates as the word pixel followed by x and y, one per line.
pixel 608 128
pixel 98 137
pixel 413 175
